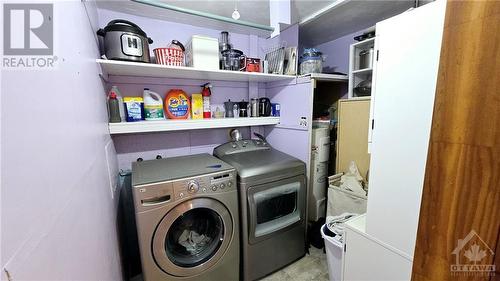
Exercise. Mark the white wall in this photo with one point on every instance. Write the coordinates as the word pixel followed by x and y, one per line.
pixel 58 216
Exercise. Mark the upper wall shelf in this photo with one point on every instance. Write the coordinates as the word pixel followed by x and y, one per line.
pixel 124 68
pixel 189 124
pixel 327 77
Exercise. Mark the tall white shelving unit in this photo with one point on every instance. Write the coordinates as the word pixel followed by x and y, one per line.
pixel 356 74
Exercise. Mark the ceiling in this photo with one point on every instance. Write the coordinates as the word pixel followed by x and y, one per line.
pixel 349 16
pixel 256 11
pixel 346 17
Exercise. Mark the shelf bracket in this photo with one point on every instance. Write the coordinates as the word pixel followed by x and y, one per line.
pixel 104 77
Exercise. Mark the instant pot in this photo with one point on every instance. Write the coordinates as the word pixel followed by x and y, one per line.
pixel 124 40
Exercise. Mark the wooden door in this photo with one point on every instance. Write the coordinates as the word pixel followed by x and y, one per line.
pixel 461 194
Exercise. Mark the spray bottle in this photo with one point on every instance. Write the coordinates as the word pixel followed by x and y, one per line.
pixel 114 89
pixel 113 108
pixel 206 92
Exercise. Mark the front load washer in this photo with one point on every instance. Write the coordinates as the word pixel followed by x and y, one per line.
pixel 186 211
pixel 272 190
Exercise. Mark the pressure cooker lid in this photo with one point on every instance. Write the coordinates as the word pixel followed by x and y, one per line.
pixel 124 26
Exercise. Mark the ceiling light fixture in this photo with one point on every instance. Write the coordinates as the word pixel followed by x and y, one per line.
pixel 236 14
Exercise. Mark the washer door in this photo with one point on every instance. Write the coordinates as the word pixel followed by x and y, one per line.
pixel 192 237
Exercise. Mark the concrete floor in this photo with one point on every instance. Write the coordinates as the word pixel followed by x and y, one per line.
pixel 312 267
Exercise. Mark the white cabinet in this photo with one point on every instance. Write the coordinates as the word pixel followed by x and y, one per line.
pixel 409 47
pixel 368 259
pixel 402 102
pixel 357 71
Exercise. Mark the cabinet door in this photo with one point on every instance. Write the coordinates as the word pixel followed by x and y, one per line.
pixel 293 134
pixel 365 259
pixel 409 47
pixel 352 142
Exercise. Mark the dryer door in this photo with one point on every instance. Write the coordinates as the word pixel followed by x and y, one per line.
pixel 275 207
pixel 192 237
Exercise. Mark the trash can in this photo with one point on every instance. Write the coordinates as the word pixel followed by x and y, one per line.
pixel 334 253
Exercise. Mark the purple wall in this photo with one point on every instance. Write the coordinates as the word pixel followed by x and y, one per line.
pixel 337 52
pixel 147 146
pixel 57 209
pixel 163 32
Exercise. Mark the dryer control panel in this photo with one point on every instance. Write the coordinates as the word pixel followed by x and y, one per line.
pixel 207 184
pixel 240 146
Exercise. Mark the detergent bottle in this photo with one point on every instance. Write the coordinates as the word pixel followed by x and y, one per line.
pixel 177 104
pixel 206 93
pixel 153 106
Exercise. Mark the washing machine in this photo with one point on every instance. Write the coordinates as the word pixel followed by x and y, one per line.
pixel 272 191
pixel 186 211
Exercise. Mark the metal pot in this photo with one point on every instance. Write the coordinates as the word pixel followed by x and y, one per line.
pixel 124 40
pixel 364 88
pixel 366 58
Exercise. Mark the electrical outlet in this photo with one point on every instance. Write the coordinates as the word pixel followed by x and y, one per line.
pixel 303 122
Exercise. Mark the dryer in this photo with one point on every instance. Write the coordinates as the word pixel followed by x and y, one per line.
pixel 272 194
pixel 186 212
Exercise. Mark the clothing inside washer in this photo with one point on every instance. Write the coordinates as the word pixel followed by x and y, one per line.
pixel 194 237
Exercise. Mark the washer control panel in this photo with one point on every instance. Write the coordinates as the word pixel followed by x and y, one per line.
pixel 207 184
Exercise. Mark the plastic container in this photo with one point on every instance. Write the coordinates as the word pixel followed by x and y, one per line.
pixel 334 255
pixel 153 106
pixel 202 53
pixel 134 108
pixel 177 104
pixel 311 61
pixel 196 106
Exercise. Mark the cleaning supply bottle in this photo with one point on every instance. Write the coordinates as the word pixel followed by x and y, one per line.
pixel 119 97
pixel 114 108
pixel 134 108
pixel 196 106
pixel 153 106
pixel 206 93
pixel 177 105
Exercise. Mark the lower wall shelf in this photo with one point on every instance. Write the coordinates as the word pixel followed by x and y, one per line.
pixel 180 125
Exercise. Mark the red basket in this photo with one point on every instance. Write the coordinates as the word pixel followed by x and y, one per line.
pixel 169 56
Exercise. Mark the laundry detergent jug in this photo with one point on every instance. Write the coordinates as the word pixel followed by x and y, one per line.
pixel 153 105
pixel 177 104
